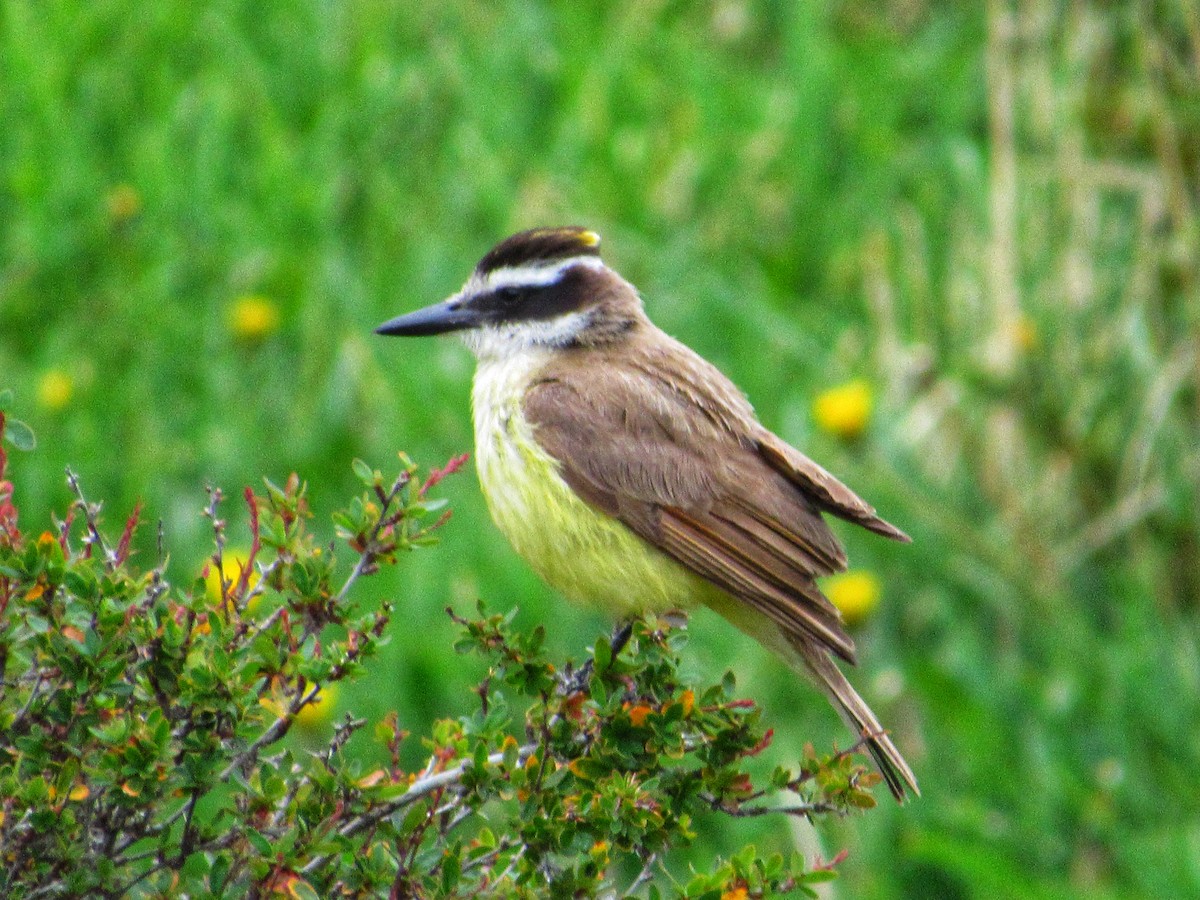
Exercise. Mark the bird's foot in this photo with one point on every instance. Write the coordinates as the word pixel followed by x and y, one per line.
pixel 574 682
pixel 620 636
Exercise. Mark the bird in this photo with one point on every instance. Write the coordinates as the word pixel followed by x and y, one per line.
pixel 632 475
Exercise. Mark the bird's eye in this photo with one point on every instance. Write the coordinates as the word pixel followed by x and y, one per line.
pixel 509 294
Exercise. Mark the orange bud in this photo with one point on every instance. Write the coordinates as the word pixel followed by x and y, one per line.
pixel 688 699
pixel 637 715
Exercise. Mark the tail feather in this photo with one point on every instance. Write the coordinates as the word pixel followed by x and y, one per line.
pixel 858 716
pixel 805 654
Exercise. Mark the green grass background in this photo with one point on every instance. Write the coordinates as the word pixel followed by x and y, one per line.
pixel 989 213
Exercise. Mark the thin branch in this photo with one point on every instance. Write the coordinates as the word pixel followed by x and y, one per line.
pixel 90 514
pixel 372 550
pixel 153 830
pixel 512 863
pixel 802 810
pixel 17 724
pixel 277 730
pixel 643 876
pixel 417 791
pixel 490 857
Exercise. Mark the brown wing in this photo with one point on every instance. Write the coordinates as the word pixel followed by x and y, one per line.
pixel 826 491
pixel 659 439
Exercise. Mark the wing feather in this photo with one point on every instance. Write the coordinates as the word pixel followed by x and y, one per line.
pixel 829 493
pixel 675 459
pixel 798 608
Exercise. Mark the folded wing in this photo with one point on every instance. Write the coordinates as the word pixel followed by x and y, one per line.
pixel 666 444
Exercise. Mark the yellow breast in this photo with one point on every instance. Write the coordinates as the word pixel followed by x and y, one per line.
pixel 586 555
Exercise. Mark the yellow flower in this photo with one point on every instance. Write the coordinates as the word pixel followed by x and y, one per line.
pixel 232 561
pixel 843 411
pixel 320 710
pixel 855 594
pixel 253 318
pixel 54 390
pixel 123 203
pixel 599 853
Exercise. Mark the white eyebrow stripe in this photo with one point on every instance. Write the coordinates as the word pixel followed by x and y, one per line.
pixel 530 276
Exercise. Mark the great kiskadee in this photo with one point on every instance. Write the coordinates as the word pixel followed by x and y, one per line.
pixel 632 475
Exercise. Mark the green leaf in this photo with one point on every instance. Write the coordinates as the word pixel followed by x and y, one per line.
pixel 602 655
pixel 6 398
pixel 451 871
pixel 819 876
pixel 364 472
pixel 480 756
pixel 19 435
pixel 261 844
pixel 598 692
pixel 511 755
pixel 219 871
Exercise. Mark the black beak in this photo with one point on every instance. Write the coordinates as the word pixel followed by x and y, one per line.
pixel 449 315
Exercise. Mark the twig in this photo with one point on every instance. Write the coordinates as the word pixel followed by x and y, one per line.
pixel 277 730
pixel 512 863
pixel 644 876
pixel 371 550
pixel 804 810
pixel 417 791
pixel 90 513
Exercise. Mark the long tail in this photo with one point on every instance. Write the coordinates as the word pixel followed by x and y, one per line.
pixel 856 714
pixel 805 655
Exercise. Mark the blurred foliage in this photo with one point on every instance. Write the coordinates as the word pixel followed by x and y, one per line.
pixel 988 214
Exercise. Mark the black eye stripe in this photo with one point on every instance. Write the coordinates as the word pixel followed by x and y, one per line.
pixel 533 302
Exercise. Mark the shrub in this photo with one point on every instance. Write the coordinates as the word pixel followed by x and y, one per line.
pixel 144 729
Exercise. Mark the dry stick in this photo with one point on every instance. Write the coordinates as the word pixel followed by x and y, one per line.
pixel 154 830
pixel 512 863
pixel 490 857
pixel 17 723
pixel 90 512
pixel 803 810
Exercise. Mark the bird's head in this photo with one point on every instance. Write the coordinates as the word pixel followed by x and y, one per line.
pixel 546 287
